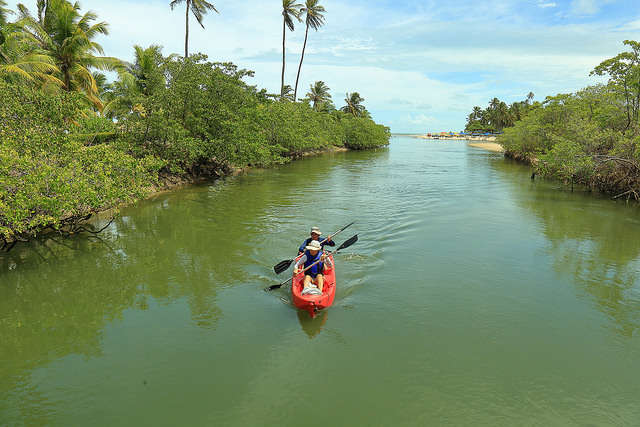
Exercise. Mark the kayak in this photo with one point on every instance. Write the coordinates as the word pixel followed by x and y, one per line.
pixel 314 303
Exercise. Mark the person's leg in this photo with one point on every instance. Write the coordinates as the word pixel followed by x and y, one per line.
pixel 320 281
pixel 307 281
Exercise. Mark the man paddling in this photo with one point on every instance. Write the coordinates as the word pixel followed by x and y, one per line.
pixel 315 236
pixel 315 274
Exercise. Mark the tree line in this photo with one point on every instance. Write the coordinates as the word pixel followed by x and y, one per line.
pixel 590 137
pixel 72 143
pixel 498 115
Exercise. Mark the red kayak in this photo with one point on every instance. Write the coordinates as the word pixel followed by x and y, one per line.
pixel 314 303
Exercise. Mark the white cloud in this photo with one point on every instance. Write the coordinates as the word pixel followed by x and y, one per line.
pixel 590 7
pixel 421 120
pixel 632 26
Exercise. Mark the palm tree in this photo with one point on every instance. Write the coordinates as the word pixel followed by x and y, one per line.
pixel 290 10
pixel 3 31
pixel 146 69
pixel 477 113
pixel 314 19
pixel 475 117
pixel 318 94
pixel 63 39
pixel 138 80
pixel 494 103
pixel 287 93
pixel 199 9
pixel 354 105
pixel 3 19
pixel 504 117
pixel 20 64
pixel 517 110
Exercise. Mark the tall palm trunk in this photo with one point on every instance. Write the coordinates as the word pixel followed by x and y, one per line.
pixel 304 46
pixel 284 32
pixel 186 34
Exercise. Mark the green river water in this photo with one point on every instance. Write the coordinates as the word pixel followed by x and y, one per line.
pixel 474 296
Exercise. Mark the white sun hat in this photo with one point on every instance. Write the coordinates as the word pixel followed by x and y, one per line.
pixel 314 245
pixel 315 230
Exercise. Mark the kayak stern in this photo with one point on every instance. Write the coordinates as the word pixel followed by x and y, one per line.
pixel 314 303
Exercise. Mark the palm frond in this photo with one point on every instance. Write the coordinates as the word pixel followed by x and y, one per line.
pixel 314 12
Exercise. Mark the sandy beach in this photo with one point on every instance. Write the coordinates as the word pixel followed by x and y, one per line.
pixel 486 142
pixel 491 146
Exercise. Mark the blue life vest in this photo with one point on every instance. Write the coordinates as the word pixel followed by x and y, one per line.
pixel 318 268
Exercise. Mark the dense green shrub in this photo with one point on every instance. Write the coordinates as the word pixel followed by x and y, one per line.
pixel 582 138
pixel 206 113
pixel 359 133
pixel 46 175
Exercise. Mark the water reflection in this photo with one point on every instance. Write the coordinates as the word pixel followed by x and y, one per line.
pixel 58 295
pixel 592 239
pixel 51 311
pixel 312 326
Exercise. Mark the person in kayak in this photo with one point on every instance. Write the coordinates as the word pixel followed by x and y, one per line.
pixel 315 235
pixel 314 276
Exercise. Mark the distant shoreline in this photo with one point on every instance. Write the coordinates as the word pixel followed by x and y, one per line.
pixel 486 142
pixel 459 137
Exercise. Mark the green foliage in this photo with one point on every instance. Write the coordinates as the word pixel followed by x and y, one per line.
pixel 566 161
pixel 296 128
pixel 319 97
pixel 207 115
pixel 57 49
pixel 589 117
pixel 47 176
pixel 362 133
pixel 590 137
pixel 498 115
pixel 624 73
pixel 93 130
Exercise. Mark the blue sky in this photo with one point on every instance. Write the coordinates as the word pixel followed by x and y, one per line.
pixel 421 66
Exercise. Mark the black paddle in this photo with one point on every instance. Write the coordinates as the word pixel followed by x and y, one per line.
pixel 350 241
pixel 283 265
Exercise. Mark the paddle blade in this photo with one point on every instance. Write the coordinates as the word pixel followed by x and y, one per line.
pixel 282 266
pixel 350 241
pixel 272 287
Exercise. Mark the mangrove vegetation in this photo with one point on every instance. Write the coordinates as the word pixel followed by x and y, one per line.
pixel 590 137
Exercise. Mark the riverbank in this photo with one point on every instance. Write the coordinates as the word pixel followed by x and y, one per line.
pixel 169 182
pixel 70 223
